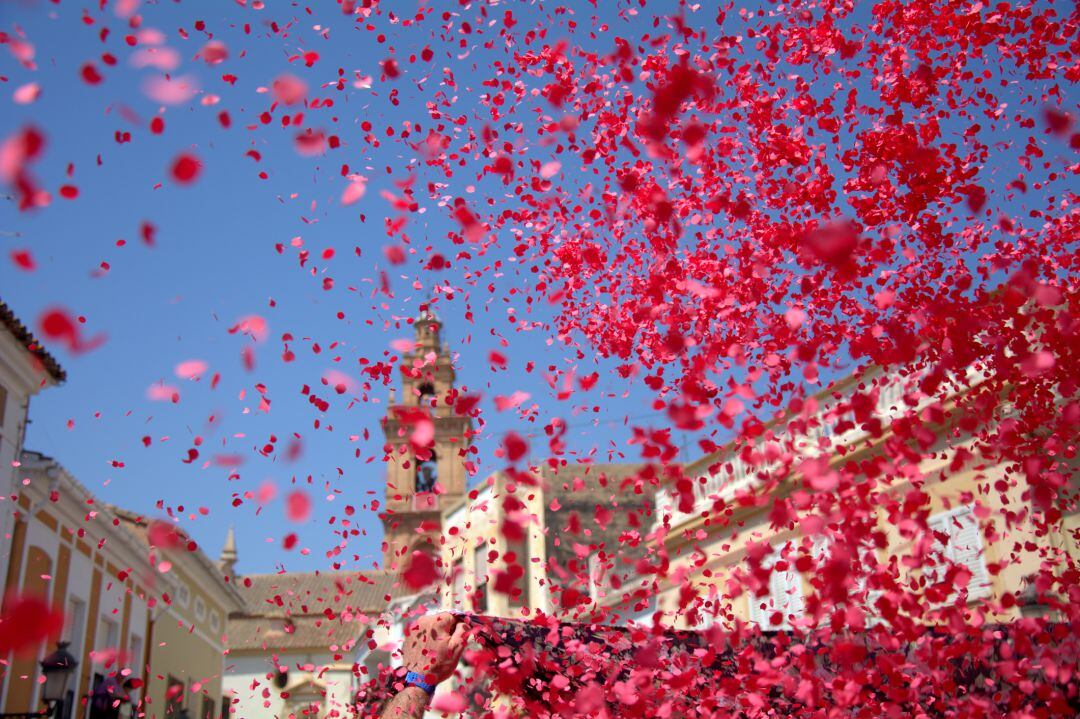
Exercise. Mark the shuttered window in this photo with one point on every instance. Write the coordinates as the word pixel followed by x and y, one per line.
pixel 785 595
pixel 964 546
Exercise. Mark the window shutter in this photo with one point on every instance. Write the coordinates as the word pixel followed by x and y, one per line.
pixel 757 615
pixel 788 595
pixel 939 524
pixel 785 596
pixel 966 549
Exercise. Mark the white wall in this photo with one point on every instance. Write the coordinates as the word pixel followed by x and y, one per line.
pixel 11 434
pixel 264 701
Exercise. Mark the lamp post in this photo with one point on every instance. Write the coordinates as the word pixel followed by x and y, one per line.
pixel 57 669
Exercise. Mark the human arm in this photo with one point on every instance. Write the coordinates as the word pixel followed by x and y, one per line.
pixel 433 646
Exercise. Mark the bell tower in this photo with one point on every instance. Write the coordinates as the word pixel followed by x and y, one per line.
pixel 426 445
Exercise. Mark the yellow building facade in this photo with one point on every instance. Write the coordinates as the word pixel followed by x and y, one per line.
pixel 975 521
pixel 66 549
pixel 187 626
pixel 152 618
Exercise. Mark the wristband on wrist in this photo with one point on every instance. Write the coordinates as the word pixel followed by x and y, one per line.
pixel 416 679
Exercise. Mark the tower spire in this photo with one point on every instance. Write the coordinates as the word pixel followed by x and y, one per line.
pixel 227 558
pixel 427 326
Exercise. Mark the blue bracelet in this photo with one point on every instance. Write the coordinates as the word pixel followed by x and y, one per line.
pixel 416 679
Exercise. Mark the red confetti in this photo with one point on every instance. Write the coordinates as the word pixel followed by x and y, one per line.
pixel 27 623
pixel 186 168
pixel 298 506
pixel 90 74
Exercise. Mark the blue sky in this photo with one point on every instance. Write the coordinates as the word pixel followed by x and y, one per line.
pixel 215 262
pixel 217 259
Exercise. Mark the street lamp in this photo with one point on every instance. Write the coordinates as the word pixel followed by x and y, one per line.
pixel 57 669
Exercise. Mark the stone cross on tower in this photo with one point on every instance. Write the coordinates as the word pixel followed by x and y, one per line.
pixel 426 445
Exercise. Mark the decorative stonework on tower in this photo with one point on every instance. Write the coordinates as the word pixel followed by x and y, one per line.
pixel 426 444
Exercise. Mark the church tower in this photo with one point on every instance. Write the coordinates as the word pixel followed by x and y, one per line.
pixel 426 445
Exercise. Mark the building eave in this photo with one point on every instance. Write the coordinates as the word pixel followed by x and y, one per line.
pixel 39 355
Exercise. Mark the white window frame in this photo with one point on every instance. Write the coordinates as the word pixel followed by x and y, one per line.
pixel 457 588
pixel 480 565
pixel 110 633
pixel 75 624
pixel 183 595
pixel 707 613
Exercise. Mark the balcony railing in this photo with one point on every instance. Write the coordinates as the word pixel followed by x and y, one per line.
pixel 819 437
pixel 425 502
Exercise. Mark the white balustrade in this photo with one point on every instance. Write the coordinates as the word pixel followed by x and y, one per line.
pixel 820 437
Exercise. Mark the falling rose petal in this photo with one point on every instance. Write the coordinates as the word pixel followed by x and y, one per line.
pixel 160 392
pixel 186 168
pixel 354 191
pixel 423 433
pixel 794 318
pixel 550 169
pixel 298 506
pixel 834 242
pixel 170 91
pixel 1057 122
pixel 340 382
pixel 403 346
pixel 266 494
pixel 90 74
pixel 59 326
pixel 503 402
pixel 126 8
pixel 22 51
pixel 29 622
pixel 164 535
pixel 190 369
pixel 1037 363
pixel 23 260
pixel 310 143
pixel 148 233
pixel 213 53
pixel 449 702
pixel 150 36
pixel 289 89
pixel 19 150
pixel 161 58
pixel 421 571
pixel 252 326
pixel 515 446
pixel 26 94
